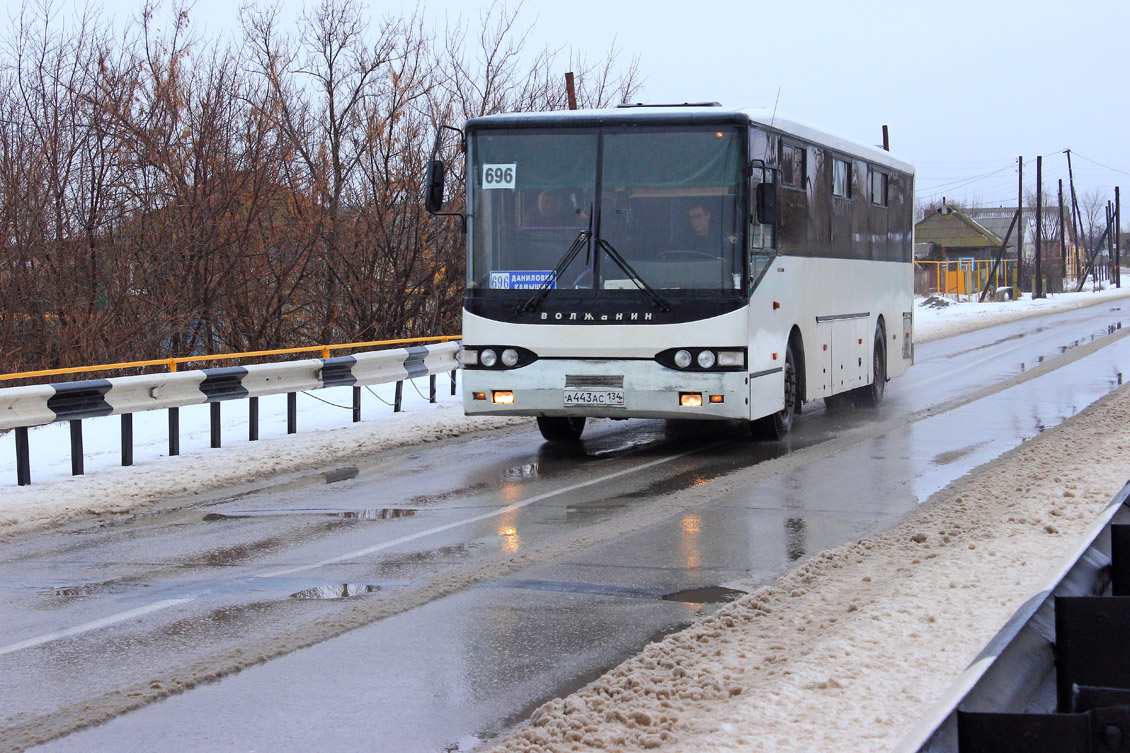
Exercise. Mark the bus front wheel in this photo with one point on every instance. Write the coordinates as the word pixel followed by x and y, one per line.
pixel 561 428
pixel 778 425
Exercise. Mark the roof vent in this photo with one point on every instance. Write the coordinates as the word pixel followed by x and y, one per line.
pixel 683 104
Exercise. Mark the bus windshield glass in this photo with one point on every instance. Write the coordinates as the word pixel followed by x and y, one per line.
pixel 659 202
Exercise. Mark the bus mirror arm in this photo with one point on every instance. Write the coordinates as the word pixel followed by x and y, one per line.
pixel 766 203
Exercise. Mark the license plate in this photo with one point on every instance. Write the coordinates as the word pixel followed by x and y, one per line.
pixel 594 397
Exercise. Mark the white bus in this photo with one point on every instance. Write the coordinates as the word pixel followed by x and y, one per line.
pixel 679 262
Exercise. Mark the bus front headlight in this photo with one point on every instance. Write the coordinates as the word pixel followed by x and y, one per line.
pixel 488 357
pixel 731 358
pixel 509 357
pixel 706 359
pixel 683 359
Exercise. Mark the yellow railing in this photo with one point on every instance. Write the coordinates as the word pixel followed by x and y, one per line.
pixel 171 363
pixel 962 278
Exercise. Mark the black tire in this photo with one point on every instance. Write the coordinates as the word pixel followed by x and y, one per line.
pixel 872 395
pixel 561 428
pixel 778 425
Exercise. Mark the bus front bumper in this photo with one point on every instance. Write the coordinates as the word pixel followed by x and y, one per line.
pixel 606 389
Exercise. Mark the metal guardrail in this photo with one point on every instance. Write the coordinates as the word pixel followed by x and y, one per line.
pixel 172 363
pixel 1056 677
pixel 35 405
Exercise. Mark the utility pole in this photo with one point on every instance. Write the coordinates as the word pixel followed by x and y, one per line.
pixel 1020 226
pixel 571 90
pixel 886 140
pixel 1038 284
pixel 1062 240
pixel 1117 239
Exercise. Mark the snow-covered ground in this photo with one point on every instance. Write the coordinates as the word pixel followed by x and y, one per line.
pixel 845 652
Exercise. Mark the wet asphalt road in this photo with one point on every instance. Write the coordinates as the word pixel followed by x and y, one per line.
pixel 447 590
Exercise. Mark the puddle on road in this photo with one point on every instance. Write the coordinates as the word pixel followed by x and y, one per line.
pixel 342 474
pixel 945 458
pixel 80 590
pixel 384 513
pixel 705 595
pixel 343 591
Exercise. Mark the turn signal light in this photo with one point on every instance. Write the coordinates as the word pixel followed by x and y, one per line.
pixel 502 397
pixel 690 399
pixel 717 398
pixel 478 396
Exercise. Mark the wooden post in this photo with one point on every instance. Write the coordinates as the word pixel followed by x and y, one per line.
pixel 570 90
pixel 1076 228
pixel 886 140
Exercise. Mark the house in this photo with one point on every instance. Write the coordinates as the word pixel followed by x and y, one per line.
pixel 955 235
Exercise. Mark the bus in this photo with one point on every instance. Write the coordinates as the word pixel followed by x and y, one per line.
pixel 678 262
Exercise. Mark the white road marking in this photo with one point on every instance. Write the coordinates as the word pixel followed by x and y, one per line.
pixel 113 619
pixel 476 518
pixel 157 606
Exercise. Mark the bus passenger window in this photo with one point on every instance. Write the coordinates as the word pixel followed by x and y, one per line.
pixel 878 188
pixel 792 166
pixel 841 178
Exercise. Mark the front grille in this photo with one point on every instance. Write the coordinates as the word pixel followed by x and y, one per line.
pixel 581 381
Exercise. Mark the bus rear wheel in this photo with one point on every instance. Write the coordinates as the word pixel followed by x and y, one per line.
pixel 778 425
pixel 871 395
pixel 561 428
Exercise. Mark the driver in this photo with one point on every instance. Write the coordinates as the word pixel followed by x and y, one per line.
pixel 701 238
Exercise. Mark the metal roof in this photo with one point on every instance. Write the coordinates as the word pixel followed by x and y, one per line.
pixel 951 228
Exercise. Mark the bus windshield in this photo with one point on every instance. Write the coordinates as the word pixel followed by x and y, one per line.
pixel 662 202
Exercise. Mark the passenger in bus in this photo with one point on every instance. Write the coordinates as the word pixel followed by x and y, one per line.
pixel 549 211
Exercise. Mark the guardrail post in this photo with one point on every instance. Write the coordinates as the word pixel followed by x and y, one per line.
pixel 431 388
pixel 453 381
pixel 356 404
pixel 292 413
pixel 214 409
pixel 174 432
pixel 252 419
pixel 76 447
pixel 399 399
pixel 127 439
pixel 23 457
pixel 1120 559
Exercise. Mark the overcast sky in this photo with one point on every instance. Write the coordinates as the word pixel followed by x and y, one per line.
pixel 964 86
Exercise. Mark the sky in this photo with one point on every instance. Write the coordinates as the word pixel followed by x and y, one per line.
pixel 965 87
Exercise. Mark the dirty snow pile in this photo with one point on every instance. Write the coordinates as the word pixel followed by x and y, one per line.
pixel 847 651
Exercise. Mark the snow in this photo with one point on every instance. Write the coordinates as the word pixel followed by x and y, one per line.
pixel 844 652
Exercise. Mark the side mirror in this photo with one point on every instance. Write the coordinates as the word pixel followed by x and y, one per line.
pixel 433 186
pixel 766 203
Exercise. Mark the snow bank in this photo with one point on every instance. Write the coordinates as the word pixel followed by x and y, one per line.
pixel 935 318
pixel 847 651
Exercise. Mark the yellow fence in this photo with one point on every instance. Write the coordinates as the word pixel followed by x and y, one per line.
pixel 323 351
pixel 963 278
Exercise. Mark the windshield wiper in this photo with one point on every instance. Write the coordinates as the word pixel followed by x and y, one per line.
pixel 633 275
pixel 566 259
